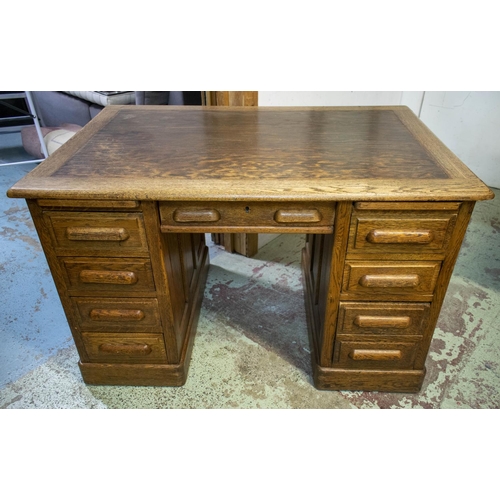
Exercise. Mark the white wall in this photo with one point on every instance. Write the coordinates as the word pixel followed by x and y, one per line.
pixel 333 98
pixel 467 122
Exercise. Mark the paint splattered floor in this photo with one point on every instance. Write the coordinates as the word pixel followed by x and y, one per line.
pixel 251 348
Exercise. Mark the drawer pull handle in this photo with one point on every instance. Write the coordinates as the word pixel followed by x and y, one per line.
pixel 297 216
pixel 375 354
pixel 108 277
pixel 382 321
pixel 401 237
pixel 185 215
pixel 111 348
pixel 389 281
pixel 97 234
pixel 116 314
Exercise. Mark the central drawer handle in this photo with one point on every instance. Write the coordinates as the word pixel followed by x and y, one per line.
pixel 108 277
pixel 389 281
pixel 97 234
pixel 375 354
pixel 111 348
pixel 297 216
pixel 206 215
pixel 117 314
pixel 382 321
pixel 394 237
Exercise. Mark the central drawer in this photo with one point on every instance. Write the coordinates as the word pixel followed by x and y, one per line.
pixel 247 217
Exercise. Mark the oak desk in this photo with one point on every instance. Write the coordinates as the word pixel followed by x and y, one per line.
pixel 122 208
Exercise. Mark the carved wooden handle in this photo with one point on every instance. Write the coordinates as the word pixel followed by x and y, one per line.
pixel 113 348
pixel 389 281
pixel 382 321
pixel 97 233
pixel 116 314
pixel 108 277
pixel 297 216
pixel 375 354
pixel 195 215
pixel 399 236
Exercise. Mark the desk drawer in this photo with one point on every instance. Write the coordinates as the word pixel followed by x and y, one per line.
pixel 418 229
pixel 393 278
pixel 382 318
pixel 101 275
pixel 96 233
pixel 120 315
pixel 241 216
pixel 379 354
pixel 124 348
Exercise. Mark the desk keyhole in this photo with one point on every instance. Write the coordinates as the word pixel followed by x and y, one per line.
pixel 247 210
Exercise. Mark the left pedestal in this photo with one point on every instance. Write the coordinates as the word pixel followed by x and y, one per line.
pixel 131 294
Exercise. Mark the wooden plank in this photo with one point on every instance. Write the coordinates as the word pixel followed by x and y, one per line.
pixel 333 267
pixel 340 379
pixel 162 277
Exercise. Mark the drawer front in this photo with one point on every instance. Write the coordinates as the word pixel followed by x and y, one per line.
pixel 366 354
pixel 121 315
pixel 401 231
pixel 271 217
pixel 101 275
pixel 124 348
pixel 97 233
pixel 382 318
pixel 393 278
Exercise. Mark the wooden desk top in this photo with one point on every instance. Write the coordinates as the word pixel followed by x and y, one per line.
pixel 204 153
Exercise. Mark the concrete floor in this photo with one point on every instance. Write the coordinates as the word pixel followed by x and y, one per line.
pixel 251 348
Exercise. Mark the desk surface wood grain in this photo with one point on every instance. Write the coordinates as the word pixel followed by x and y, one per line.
pixel 225 153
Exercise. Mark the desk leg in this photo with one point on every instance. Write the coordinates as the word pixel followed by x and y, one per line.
pixel 246 244
pixel 180 265
pixel 323 266
pixel 323 261
pixel 169 272
pixel 378 358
